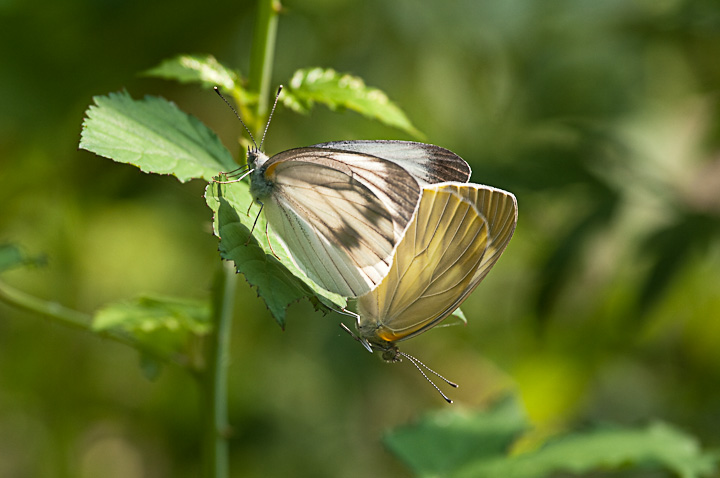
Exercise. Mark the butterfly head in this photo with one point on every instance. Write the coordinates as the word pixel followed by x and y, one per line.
pixel 390 353
pixel 256 158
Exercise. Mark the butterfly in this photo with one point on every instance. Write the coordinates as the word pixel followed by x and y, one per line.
pixel 458 234
pixel 341 208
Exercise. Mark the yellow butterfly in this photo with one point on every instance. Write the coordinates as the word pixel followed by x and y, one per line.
pixel 459 232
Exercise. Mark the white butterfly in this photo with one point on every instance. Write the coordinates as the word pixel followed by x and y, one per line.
pixel 341 208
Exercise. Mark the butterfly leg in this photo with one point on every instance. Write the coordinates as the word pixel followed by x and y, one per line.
pixel 352 334
pixel 239 179
pixel 254 224
pixel 270 244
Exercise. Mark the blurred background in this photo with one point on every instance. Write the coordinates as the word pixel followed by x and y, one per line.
pixel 602 118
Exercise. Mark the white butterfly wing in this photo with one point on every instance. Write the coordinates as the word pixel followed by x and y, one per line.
pixel 427 163
pixel 340 214
pixel 458 234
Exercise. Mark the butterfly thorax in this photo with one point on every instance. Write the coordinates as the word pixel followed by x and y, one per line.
pixel 371 336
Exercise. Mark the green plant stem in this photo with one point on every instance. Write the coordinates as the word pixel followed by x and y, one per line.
pixel 217 428
pixel 79 321
pixel 262 55
pixel 51 310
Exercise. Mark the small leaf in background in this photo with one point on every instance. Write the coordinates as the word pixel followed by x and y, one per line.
pixel 208 72
pixel 446 440
pixel 154 135
pixel 671 248
pixel 167 327
pixel 150 366
pixel 458 317
pixel 342 91
pixel 203 69
pixel 11 256
pixel 567 252
pixel 459 444
pixel 279 282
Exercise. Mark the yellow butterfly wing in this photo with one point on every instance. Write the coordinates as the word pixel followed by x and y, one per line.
pixel 459 232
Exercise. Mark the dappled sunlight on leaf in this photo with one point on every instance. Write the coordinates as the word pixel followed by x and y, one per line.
pixel 154 135
pixel 340 91
pixel 203 69
pixel 278 281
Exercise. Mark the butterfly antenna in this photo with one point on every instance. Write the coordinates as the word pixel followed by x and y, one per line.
pixel 267 125
pixel 252 138
pixel 418 363
pixel 413 359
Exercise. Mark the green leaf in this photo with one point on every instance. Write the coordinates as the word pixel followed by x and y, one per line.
pixel 443 441
pixel 339 91
pixel 167 327
pixel 460 444
pixel 658 446
pixel 11 256
pixel 154 135
pixel 566 253
pixel 278 281
pixel 458 316
pixel 670 248
pixel 203 69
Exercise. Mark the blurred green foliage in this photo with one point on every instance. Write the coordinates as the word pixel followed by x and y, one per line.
pixel 601 117
pixel 459 443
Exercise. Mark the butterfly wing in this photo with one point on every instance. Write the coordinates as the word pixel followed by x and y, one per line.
pixel 458 234
pixel 427 163
pixel 340 214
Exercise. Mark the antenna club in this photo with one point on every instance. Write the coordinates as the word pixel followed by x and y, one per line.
pixel 418 364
